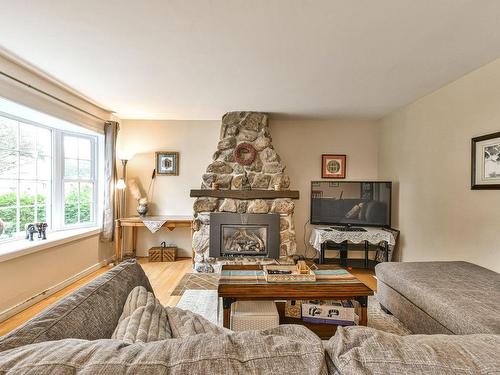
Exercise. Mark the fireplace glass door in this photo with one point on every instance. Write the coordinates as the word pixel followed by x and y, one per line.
pixel 244 240
pixel 244 235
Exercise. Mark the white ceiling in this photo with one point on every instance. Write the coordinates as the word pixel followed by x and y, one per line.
pixel 196 59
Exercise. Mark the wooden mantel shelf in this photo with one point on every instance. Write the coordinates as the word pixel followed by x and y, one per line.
pixel 245 194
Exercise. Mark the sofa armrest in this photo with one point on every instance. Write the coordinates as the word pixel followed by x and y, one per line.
pixel 90 313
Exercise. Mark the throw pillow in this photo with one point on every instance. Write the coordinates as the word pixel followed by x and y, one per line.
pixel 184 323
pixel 143 319
pixel 139 296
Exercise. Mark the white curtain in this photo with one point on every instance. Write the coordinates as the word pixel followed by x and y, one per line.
pixel 111 206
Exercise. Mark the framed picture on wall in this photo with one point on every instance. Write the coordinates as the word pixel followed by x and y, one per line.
pixel 167 163
pixel 485 171
pixel 333 166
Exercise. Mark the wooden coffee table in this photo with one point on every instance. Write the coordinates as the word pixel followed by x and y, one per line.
pixel 239 282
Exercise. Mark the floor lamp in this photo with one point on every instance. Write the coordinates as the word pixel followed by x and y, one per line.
pixel 121 185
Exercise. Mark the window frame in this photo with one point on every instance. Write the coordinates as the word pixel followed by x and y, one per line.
pixel 60 179
pixel 55 202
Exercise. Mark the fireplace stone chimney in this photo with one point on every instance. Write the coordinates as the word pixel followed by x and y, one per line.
pixel 246 175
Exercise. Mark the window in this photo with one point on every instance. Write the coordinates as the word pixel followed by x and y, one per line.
pixel 46 174
pixel 78 179
pixel 25 175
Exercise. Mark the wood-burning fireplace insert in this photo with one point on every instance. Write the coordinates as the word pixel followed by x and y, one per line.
pixel 244 235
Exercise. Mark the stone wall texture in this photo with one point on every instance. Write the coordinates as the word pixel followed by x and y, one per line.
pixel 264 173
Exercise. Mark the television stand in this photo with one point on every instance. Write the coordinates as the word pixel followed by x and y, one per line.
pixel 384 240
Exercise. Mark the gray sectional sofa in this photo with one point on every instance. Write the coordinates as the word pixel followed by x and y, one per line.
pixel 441 297
pixel 74 336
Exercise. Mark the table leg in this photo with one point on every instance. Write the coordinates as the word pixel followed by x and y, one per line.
pixel 134 240
pixel 366 254
pixel 343 254
pixel 322 253
pixel 386 251
pixel 363 313
pixel 118 235
pixel 226 304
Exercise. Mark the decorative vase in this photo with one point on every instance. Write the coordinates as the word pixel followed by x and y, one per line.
pixel 142 209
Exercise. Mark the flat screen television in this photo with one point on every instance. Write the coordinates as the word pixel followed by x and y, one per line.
pixel 358 203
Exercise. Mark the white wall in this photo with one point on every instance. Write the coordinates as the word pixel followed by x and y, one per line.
pixel 25 277
pixel 425 147
pixel 299 143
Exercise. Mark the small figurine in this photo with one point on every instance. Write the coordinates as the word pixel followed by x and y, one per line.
pixel 42 230
pixel 30 230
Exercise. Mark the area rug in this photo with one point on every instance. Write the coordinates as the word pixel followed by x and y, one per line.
pixel 204 303
pixel 196 281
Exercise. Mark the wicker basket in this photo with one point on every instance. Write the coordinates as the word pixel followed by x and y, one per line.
pixel 155 254
pixel 169 254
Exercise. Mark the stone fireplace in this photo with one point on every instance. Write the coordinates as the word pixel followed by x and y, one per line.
pixel 246 179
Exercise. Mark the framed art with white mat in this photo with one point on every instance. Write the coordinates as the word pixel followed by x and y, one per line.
pixel 485 171
pixel 167 163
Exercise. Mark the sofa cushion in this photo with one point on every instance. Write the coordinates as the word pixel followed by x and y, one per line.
pixel 362 350
pixel 139 296
pixel 91 313
pixel 463 297
pixel 283 350
pixel 147 323
pixel 184 323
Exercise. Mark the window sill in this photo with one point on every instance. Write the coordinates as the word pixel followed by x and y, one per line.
pixel 18 248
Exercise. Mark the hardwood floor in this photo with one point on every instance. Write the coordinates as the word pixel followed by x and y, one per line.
pixel 164 277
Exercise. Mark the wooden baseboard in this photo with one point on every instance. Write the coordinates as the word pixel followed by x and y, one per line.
pixel 6 314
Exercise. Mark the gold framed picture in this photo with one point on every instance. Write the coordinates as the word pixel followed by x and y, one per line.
pixel 167 163
pixel 333 166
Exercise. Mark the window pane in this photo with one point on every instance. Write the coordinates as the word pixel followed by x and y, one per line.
pixel 27 215
pixel 27 193
pixel 71 168
pixel 70 202
pixel 84 149
pixel 84 169
pixel 27 167
pixel 44 142
pixel 41 213
pixel 8 166
pixel 42 200
pixel 27 138
pixel 86 197
pixel 70 147
pixel 43 191
pixel 8 193
pixel 8 133
pixel 44 167
pixel 8 216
